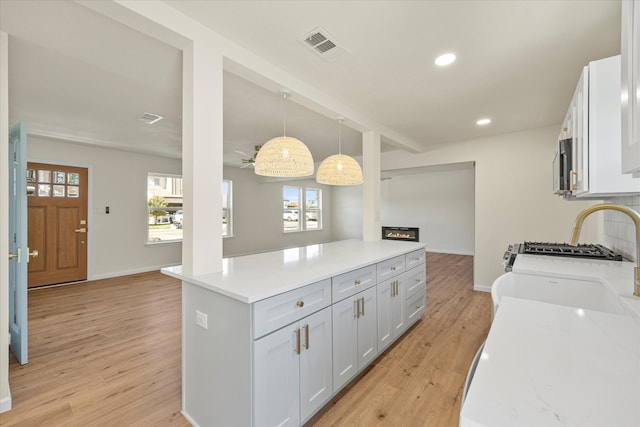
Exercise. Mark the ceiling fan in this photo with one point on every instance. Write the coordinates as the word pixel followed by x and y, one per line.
pixel 249 160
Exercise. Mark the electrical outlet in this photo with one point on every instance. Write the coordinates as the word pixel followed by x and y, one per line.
pixel 201 319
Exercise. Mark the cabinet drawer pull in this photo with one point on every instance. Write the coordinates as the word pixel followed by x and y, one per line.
pixel 357 281
pixel 418 280
pixel 300 303
pixel 298 341
pixel 393 267
pixel 306 336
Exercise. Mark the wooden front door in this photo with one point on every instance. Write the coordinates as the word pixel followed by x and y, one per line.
pixel 57 223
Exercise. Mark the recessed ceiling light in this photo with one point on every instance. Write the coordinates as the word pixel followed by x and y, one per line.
pixel 483 122
pixel 445 59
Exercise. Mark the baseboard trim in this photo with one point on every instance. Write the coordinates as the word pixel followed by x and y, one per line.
pixel 450 251
pixel 482 288
pixel 129 272
pixel 5 403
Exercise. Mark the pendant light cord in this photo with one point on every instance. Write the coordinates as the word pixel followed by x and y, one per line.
pixel 284 114
pixel 340 120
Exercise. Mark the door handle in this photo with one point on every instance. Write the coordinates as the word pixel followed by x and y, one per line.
pixel 34 253
pixel 16 255
pixel 81 230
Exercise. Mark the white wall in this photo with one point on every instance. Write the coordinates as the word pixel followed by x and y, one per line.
pixel 513 193
pixel 439 201
pixel 118 179
pixel 257 214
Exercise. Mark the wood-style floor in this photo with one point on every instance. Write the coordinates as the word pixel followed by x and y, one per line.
pixel 107 353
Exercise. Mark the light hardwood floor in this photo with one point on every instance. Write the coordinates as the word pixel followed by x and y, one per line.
pixel 107 353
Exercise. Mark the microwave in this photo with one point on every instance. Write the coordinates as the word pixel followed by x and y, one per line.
pixel 562 164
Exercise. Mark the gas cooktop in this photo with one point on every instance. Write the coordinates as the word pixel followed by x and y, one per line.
pixel 582 250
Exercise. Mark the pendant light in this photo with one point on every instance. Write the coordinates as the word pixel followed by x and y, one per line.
pixel 284 156
pixel 339 169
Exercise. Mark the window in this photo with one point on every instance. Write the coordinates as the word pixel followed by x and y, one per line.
pixel 164 208
pixel 301 209
pixel 227 230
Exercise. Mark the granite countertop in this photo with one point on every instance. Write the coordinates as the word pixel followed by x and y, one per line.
pixel 251 278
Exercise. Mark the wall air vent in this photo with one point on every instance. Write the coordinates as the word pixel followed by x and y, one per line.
pixel 323 44
pixel 150 118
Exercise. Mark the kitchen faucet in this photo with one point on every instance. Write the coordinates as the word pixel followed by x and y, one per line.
pixel 635 217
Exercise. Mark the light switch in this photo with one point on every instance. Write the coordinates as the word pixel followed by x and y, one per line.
pixel 201 319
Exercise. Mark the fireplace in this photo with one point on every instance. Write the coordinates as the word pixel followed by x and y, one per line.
pixel 409 234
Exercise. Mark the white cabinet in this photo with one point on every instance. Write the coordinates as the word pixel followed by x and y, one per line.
pixel 293 371
pixel 630 91
pixel 594 125
pixel 415 282
pixel 391 310
pixel 355 342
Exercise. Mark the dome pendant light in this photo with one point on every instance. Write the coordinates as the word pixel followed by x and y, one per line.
pixel 284 156
pixel 339 169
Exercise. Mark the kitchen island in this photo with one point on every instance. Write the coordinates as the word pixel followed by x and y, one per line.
pixel 550 364
pixel 273 336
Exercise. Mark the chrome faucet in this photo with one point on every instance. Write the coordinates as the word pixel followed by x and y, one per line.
pixel 635 217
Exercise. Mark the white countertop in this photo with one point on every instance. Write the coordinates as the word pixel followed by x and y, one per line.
pixel 550 365
pixel 251 278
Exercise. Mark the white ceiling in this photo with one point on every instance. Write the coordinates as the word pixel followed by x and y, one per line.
pixel 78 75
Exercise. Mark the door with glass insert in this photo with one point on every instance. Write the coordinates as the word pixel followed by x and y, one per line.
pixel 57 223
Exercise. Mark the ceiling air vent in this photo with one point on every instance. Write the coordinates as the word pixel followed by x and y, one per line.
pixel 323 44
pixel 150 118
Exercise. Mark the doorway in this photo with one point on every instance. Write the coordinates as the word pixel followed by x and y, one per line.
pixel 57 223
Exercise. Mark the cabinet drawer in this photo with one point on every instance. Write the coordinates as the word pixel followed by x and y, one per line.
pixel 416 305
pixel 347 284
pixel 413 259
pixel 416 280
pixel 275 312
pixel 390 268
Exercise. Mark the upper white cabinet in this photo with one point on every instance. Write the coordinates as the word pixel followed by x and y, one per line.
pixel 630 90
pixel 593 123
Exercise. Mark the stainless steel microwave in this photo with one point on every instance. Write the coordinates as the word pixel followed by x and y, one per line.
pixel 562 164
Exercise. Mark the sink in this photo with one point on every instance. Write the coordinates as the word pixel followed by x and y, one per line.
pixel 561 291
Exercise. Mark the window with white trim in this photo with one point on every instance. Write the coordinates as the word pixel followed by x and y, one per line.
pixel 164 208
pixel 301 209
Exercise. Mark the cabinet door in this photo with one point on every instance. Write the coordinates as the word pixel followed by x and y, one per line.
pixel 398 316
pixel 316 374
pixel 345 341
pixel 580 133
pixel 385 322
pixel 391 310
pixel 277 378
pixel 367 328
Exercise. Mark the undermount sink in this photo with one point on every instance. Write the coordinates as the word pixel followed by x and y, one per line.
pixel 561 291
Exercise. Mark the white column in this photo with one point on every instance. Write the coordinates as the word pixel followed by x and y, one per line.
pixel 371 187
pixel 202 159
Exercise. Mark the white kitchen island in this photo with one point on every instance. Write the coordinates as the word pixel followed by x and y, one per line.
pixel 271 338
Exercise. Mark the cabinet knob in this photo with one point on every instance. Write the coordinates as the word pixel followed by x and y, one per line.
pixel 357 282
pixel 300 303
pixel 393 267
pixel 418 280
